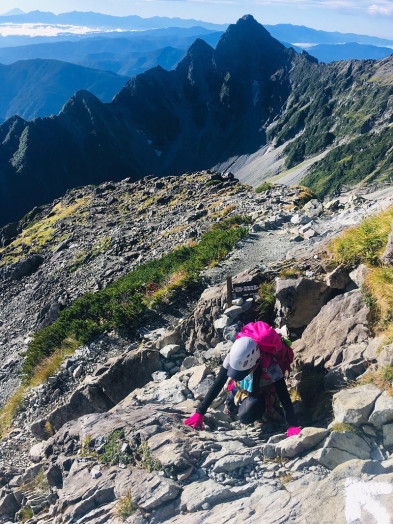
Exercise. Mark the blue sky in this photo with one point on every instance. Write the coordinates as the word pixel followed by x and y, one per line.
pixel 373 17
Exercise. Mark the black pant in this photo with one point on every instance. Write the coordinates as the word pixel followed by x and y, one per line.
pixel 250 410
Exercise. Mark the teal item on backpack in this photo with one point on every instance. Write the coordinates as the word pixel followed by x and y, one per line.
pixel 246 383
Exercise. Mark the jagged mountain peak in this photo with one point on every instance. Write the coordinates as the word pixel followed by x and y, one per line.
pixel 247 45
pixel 199 50
pixel 81 97
pixel 199 53
pixel 248 30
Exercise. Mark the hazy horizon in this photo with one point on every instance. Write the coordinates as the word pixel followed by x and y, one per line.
pixel 346 16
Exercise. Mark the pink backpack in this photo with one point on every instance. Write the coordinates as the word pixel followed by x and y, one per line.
pixel 270 344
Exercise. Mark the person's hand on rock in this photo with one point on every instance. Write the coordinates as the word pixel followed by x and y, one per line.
pixel 196 421
pixel 293 431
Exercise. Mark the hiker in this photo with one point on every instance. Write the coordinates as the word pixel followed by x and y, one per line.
pixel 256 363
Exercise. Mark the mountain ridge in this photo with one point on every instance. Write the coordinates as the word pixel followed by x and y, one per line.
pixel 40 87
pixel 189 127
pixel 109 21
pixel 216 104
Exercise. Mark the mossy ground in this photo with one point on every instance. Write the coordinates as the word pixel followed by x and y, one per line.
pixel 36 236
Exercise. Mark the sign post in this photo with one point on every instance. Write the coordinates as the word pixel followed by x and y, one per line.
pixel 229 291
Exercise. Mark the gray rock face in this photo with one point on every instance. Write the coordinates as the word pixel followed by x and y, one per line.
pixel 342 447
pixel 340 323
pixel 383 410
pixel 387 433
pixel 176 474
pixel 21 269
pixel 338 278
pixel 112 383
pixel 299 301
pixel 297 444
pixel 232 462
pixel 313 208
pixel 208 492
pixel 385 356
pixel 172 391
pixel 341 497
pixel 359 274
pixel 8 505
pixel 387 257
pixel 354 406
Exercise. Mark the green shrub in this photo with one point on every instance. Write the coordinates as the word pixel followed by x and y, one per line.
pixel 266 300
pixel 145 459
pixel 264 187
pixel 87 449
pixel 290 273
pixel 123 302
pixel 340 427
pixel 126 506
pixel 24 514
pixel 112 454
pixel 367 157
pixel 382 378
pixel 364 243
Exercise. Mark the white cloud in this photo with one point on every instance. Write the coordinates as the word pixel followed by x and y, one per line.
pixel 385 9
pixel 49 30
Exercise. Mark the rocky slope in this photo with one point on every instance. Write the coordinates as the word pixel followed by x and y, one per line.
pixel 94 235
pixel 103 440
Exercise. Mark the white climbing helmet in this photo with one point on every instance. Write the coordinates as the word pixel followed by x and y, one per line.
pixel 243 356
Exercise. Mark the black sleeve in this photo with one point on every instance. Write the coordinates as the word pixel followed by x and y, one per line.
pixel 213 391
pixel 285 399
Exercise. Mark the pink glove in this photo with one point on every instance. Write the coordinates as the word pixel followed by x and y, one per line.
pixel 293 431
pixel 196 421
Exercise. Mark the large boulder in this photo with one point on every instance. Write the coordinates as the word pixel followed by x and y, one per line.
pixel 298 301
pixel 342 447
pixel 342 322
pixel 111 384
pixel 354 406
pixel 21 269
pixel 86 399
pixel 338 278
pixel 171 391
pixel 383 410
pixel 297 444
pixel 198 331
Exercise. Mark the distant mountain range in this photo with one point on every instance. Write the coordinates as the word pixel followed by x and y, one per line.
pixel 333 52
pixel 216 104
pixel 103 21
pixel 32 88
pixel 300 34
pixel 111 53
